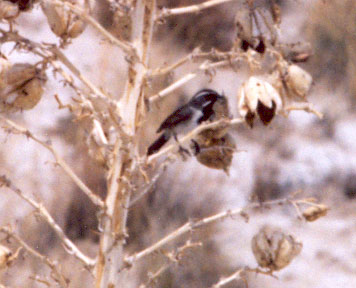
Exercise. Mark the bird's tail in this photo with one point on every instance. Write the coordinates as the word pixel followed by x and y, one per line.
pixel 155 146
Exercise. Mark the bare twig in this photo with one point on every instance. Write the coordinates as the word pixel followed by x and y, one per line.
pixel 204 67
pixel 19 129
pixel 226 280
pixel 170 68
pixel 174 257
pixel 189 9
pixel 240 275
pixel 71 248
pixel 305 106
pixel 59 277
pixel 146 190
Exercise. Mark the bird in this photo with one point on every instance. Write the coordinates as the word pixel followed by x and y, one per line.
pixel 186 118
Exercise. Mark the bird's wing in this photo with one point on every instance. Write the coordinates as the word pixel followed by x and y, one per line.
pixel 155 146
pixel 180 115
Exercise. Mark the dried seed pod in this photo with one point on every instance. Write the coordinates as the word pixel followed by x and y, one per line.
pixel 8 10
pixel 274 249
pixel 63 22
pixel 15 76
pixel 5 257
pixel 259 97
pixel 76 27
pixel 243 21
pixel 57 17
pixel 19 73
pixel 298 81
pixel 315 212
pixel 221 111
pixel 216 153
pixel 29 95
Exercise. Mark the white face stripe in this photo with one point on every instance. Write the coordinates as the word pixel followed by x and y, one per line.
pixel 207 103
pixel 204 92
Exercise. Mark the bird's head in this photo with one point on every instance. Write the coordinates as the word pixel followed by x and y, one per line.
pixel 205 98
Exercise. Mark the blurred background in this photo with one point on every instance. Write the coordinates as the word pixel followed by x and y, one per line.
pixel 299 153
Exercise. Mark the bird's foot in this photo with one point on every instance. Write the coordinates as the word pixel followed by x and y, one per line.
pixel 184 153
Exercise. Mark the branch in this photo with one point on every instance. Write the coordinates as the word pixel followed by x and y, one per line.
pixel 60 278
pixel 126 47
pixel 131 109
pixel 305 106
pixel 194 133
pixel 191 225
pixel 19 129
pixel 70 247
pixel 233 277
pixel 48 53
pixel 240 274
pixel 204 67
pixel 189 9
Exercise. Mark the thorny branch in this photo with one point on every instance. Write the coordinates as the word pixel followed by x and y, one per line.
pixel 19 129
pixel 70 247
pixel 56 273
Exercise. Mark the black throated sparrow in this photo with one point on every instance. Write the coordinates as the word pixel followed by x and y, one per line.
pixel 186 117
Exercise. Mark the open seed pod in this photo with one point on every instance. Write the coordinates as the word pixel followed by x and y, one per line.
pixel 273 249
pixel 257 96
pixel 8 10
pixel 215 153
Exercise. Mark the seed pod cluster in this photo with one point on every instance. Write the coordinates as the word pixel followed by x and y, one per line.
pixel 8 10
pixel 257 96
pixel 21 86
pixel 62 21
pixel 273 249
pixel 215 147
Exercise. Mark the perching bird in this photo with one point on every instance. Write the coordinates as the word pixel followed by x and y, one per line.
pixel 186 117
